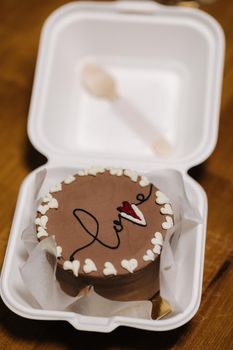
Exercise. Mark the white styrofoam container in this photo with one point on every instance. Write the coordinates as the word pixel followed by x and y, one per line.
pixel 168 61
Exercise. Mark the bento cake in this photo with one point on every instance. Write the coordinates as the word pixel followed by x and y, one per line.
pixel 109 226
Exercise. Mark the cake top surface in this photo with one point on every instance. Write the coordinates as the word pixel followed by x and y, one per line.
pixel 105 222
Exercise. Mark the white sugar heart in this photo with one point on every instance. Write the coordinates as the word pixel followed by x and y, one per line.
pixel 76 265
pixel 41 232
pixel 157 249
pixel 42 221
pixel 37 221
pixel 94 171
pixel 68 265
pixel 56 188
pixel 89 266
pixel 161 198
pixel 109 269
pixel 53 203
pixel 116 171
pixel 144 181
pixel 149 255
pixel 131 174
pixel 69 179
pixel 58 251
pixel 168 223
pixel 158 239
pixel 43 209
pixel 167 209
pixel 47 198
pixel 82 172
pixel 129 265
pixel 72 265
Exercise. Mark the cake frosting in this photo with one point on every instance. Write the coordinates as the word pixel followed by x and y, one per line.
pixel 109 226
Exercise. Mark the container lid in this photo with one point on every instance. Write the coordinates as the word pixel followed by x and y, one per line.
pixel 167 62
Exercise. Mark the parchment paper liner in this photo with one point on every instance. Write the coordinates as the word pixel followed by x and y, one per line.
pixel 39 270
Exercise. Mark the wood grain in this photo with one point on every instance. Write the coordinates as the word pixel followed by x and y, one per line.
pixel 212 327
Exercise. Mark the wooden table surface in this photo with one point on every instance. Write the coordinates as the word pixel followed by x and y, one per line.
pixel 212 327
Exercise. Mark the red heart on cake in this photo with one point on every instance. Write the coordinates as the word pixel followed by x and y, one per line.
pixel 127 209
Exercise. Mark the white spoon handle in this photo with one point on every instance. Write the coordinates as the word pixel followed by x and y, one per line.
pixel 141 126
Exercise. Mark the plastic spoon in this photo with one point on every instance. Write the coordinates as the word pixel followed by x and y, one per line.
pixel 101 84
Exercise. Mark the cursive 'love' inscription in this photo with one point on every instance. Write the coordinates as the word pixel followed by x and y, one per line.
pixel 80 214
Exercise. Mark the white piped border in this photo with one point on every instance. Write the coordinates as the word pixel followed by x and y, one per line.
pixel 43 209
pixel 157 242
pixel 89 266
pixel 131 174
pixel 56 188
pixel 69 179
pixel 41 222
pixel 117 171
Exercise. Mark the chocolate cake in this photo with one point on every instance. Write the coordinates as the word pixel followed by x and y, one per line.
pixel 109 226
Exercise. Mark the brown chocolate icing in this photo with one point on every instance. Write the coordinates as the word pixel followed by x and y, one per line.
pixel 88 224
